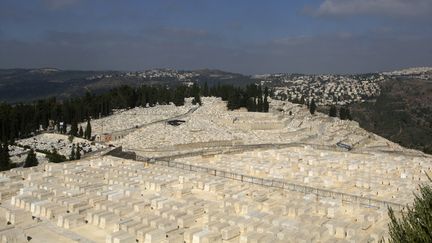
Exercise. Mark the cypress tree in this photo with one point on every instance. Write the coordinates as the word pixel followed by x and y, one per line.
pixel 179 95
pixel 196 94
pixel 260 104
pixel 31 159
pixel 5 163
pixel 74 128
pixel 78 152
pixel 333 111
pixel 250 104
pixel 342 113
pixel 312 107
pixel 266 103
pixel 88 130
pixel 205 90
pixel 81 132
pixel 72 155
pixel 64 128
pixel 348 114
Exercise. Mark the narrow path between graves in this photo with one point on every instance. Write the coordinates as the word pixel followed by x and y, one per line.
pixel 190 111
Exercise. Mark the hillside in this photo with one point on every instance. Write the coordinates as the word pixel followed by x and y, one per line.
pixel 17 85
pixel 402 113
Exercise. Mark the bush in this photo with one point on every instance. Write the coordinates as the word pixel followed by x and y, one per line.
pixel 415 224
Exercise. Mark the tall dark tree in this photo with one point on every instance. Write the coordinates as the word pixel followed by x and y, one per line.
pixel 72 155
pixel 266 103
pixel 333 111
pixel 342 113
pixel 205 90
pixel 196 94
pixel 348 114
pixel 31 159
pixel 5 162
pixel 78 152
pixel 88 130
pixel 179 96
pixel 312 107
pixel 81 132
pixel 74 128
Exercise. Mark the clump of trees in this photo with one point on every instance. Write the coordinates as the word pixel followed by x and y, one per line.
pixel 253 97
pixel 88 130
pixel 414 224
pixel 75 152
pixel 55 157
pixel 31 159
pixel 344 112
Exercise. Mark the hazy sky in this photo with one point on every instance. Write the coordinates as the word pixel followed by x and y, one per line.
pixel 247 36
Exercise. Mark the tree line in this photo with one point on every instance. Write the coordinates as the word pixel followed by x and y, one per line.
pixel 253 97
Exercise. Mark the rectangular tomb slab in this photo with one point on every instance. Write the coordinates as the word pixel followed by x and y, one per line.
pixel 120 237
pixel 230 232
pixel 155 236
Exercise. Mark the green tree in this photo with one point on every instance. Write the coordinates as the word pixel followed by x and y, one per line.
pixel 72 155
pixel 266 104
pixel 196 94
pixel 74 128
pixel 88 130
pixel 31 159
pixel 348 114
pixel 179 95
pixel 78 152
pixel 81 132
pixel 342 113
pixel 64 128
pixel 312 107
pixel 415 224
pixel 5 162
pixel 205 90
pixel 333 111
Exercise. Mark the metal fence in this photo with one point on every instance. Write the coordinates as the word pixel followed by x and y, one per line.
pixel 276 183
